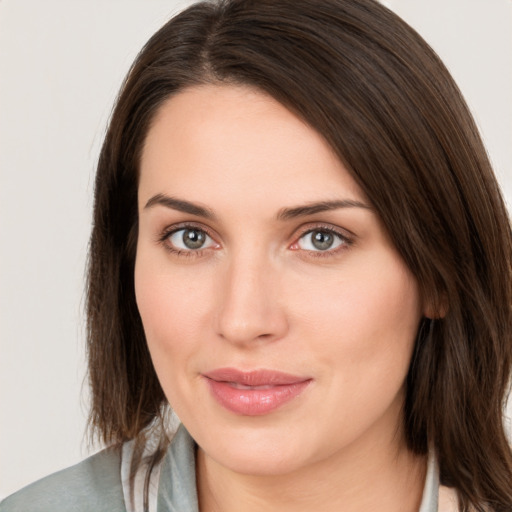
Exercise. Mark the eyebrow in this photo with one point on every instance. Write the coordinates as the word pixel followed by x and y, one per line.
pixel 317 207
pixel 283 214
pixel 180 205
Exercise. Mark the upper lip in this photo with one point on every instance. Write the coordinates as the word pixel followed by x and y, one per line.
pixel 261 377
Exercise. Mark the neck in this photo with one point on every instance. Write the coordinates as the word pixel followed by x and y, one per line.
pixel 379 477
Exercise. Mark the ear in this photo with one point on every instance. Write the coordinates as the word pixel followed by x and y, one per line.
pixel 436 307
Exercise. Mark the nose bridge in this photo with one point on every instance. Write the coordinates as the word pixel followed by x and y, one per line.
pixel 249 308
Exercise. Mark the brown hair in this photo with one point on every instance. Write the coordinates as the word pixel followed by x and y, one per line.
pixel 389 108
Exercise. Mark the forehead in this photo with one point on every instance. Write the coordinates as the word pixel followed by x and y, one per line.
pixel 235 139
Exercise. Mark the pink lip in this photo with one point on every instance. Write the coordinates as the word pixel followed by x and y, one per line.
pixel 256 392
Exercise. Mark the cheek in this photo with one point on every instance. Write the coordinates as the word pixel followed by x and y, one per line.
pixel 173 308
pixel 363 327
pixel 167 308
pixel 171 318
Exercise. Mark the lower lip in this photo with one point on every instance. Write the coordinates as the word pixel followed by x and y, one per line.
pixel 256 401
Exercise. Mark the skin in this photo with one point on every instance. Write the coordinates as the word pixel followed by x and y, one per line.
pixel 259 294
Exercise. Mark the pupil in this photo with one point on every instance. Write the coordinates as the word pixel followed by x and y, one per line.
pixel 322 240
pixel 193 239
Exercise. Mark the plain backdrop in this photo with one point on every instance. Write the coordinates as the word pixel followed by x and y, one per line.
pixel 61 64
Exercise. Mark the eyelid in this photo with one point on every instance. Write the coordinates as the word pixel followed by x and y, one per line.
pixel 167 232
pixel 345 235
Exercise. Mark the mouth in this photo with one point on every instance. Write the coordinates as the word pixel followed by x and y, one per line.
pixel 254 393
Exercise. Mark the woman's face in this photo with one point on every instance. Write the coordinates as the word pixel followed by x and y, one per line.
pixel 279 316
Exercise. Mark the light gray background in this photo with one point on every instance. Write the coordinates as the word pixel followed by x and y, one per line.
pixel 61 64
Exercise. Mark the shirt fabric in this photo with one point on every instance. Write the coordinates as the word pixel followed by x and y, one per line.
pixel 101 484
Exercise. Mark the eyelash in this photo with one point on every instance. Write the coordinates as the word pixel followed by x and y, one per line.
pixel 345 241
pixel 164 240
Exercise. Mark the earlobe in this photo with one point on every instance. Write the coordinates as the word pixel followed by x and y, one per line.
pixel 437 307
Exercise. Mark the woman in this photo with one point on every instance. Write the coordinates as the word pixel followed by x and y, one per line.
pixel 300 246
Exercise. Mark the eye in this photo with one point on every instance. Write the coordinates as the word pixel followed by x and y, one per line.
pixel 189 239
pixel 321 240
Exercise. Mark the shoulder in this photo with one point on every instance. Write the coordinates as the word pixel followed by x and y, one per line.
pixel 94 484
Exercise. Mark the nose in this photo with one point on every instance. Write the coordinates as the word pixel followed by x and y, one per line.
pixel 250 308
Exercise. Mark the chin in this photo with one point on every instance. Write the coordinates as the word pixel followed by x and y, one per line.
pixel 263 451
pixel 260 464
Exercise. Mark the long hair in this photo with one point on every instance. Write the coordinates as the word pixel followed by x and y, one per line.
pixel 379 95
